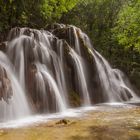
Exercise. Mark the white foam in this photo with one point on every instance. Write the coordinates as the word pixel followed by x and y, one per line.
pixel 37 119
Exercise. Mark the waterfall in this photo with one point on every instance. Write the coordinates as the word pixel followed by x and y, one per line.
pixel 55 70
pixel 61 105
pixel 17 105
pixel 115 87
pixel 81 77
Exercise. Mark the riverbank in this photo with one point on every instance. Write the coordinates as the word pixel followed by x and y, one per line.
pixel 104 123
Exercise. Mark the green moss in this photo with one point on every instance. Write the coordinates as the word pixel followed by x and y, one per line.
pixel 74 99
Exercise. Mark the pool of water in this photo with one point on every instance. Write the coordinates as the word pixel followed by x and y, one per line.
pixel 112 121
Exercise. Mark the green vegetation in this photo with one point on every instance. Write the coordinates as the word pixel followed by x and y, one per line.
pixel 114 28
pixel 33 13
pixel 127 28
pixel 113 25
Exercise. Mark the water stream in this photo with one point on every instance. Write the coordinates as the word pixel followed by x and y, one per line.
pixel 43 72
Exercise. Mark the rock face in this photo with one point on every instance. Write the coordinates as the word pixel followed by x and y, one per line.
pixel 60 68
pixel 3 46
pixel 5 86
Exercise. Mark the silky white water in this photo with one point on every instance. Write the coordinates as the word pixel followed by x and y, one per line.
pixel 17 106
pixel 46 72
pixel 81 77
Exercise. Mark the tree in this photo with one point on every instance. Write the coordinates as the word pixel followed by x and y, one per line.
pixel 127 30
pixel 96 18
pixel 32 13
pixel 112 27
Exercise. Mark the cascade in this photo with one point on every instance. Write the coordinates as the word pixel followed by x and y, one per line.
pixel 81 77
pixel 13 104
pixel 54 70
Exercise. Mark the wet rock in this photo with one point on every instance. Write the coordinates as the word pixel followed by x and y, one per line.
pixel 15 32
pixel 3 46
pixel 54 26
pixel 5 86
pixel 63 122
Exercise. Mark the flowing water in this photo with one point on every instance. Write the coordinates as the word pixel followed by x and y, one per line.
pixel 17 106
pixel 81 77
pixel 115 85
pixel 47 71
